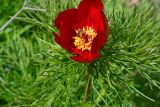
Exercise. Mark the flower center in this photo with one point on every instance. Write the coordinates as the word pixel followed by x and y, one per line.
pixel 84 38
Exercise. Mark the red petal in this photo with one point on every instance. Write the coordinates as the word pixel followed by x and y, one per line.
pixel 88 14
pixel 85 56
pixel 66 18
pixel 64 22
pixel 96 3
pixel 102 34
pixel 61 42
pixel 67 37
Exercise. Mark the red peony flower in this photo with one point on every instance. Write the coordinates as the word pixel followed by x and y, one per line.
pixel 83 31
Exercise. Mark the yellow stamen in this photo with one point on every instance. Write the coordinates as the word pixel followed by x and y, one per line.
pixel 84 38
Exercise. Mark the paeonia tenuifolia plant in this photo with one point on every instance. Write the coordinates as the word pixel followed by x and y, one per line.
pixel 83 31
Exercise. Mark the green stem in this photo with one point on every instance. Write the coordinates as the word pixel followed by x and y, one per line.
pixel 87 89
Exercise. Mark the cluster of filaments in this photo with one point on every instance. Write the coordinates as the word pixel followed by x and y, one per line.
pixel 84 38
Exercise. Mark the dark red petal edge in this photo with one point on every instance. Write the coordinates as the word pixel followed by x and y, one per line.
pixel 85 57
